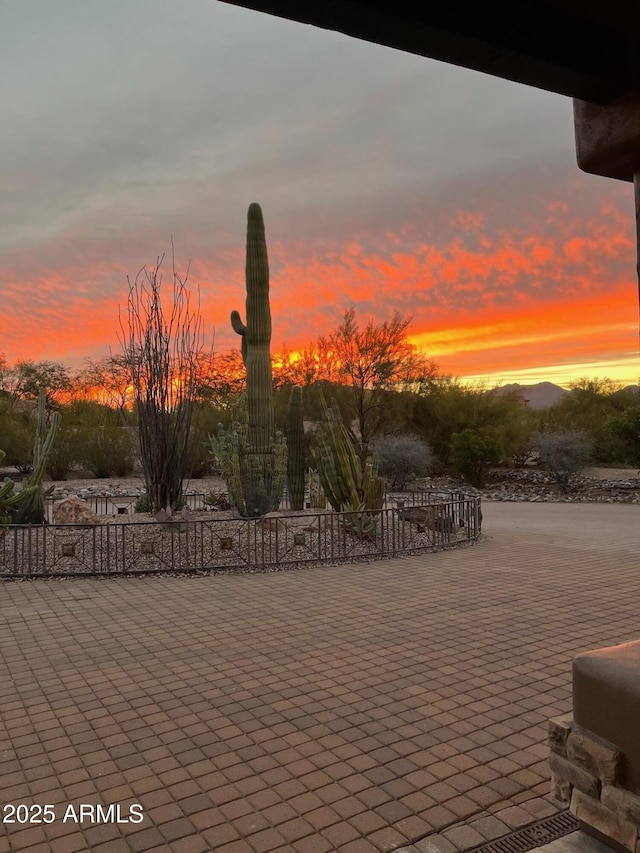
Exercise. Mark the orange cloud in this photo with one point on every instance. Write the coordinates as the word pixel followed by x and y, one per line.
pixel 490 291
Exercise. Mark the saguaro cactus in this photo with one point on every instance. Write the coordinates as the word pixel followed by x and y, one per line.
pixel 260 464
pixel 295 449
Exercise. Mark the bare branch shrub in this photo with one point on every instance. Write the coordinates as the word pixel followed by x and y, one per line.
pixel 402 457
pixel 162 350
pixel 564 453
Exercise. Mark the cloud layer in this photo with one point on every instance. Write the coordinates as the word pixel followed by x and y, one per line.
pixel 388 182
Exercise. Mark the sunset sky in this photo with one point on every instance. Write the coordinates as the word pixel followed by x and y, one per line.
pixel 387 182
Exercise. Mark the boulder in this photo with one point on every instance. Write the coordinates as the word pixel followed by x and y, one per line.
pixel 272 521
pixel 73 510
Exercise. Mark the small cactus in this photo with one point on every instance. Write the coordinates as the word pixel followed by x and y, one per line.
pixel 317 497
pixel 295 449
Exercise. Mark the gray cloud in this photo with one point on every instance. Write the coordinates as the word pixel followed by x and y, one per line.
pixel 126 122
pixel 134 109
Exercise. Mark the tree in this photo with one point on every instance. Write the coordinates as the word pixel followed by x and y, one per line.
pixel 107 381
pixel 222 379
pixel 451 407
pixel 25 379
pixel 371 360
pixel 161 352
pixel 591 407
pixel 315 362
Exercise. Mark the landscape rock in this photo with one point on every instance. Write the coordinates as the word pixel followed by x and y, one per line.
pixel 74 510
pixel 535 485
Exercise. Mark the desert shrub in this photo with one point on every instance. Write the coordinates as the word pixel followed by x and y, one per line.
pixel 401 457
pixel 64 452
pixel 204 421
pixel 17 431
pixel 593 407
pixel 625 432
pixel 106 451
pixel 472 454
pixel 143 504
pixel 564 453
pixel 218 500
pixel 450 407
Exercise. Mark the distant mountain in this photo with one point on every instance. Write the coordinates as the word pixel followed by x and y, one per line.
pixel 539 396
pixel 633 389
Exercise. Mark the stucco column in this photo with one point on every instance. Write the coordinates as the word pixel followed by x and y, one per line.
pixel 608 144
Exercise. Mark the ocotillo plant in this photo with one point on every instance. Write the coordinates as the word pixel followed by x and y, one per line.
pixel 262 460
pixel 295 449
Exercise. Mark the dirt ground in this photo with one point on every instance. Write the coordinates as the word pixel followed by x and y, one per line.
pixel 135 483
pixel 611 473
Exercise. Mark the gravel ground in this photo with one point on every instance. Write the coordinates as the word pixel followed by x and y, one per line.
pixel 598 484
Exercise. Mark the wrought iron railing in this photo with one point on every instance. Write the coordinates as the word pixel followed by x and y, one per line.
pixel 215 543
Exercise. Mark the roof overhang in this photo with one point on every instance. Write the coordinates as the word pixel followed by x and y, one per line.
pixel 586 49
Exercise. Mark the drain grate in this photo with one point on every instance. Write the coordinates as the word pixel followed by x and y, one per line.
pixel 534 835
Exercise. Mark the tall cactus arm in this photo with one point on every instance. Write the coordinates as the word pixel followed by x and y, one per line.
pixel 45 436
pixel 240 329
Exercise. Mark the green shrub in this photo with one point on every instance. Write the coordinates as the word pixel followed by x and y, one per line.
pixel 64 452
pixel 625 431
pixel 106 451
pixel 18 430
pixel 473 454
pixel 143 504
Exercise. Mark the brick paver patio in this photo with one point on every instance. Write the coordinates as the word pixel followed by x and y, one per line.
pixel 400 704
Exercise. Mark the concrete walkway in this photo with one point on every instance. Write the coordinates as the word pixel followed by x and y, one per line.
pixel 398 705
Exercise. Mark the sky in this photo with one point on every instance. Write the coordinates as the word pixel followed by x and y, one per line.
pixel 388 183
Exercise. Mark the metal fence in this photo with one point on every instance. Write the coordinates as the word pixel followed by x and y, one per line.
pixel 213 543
